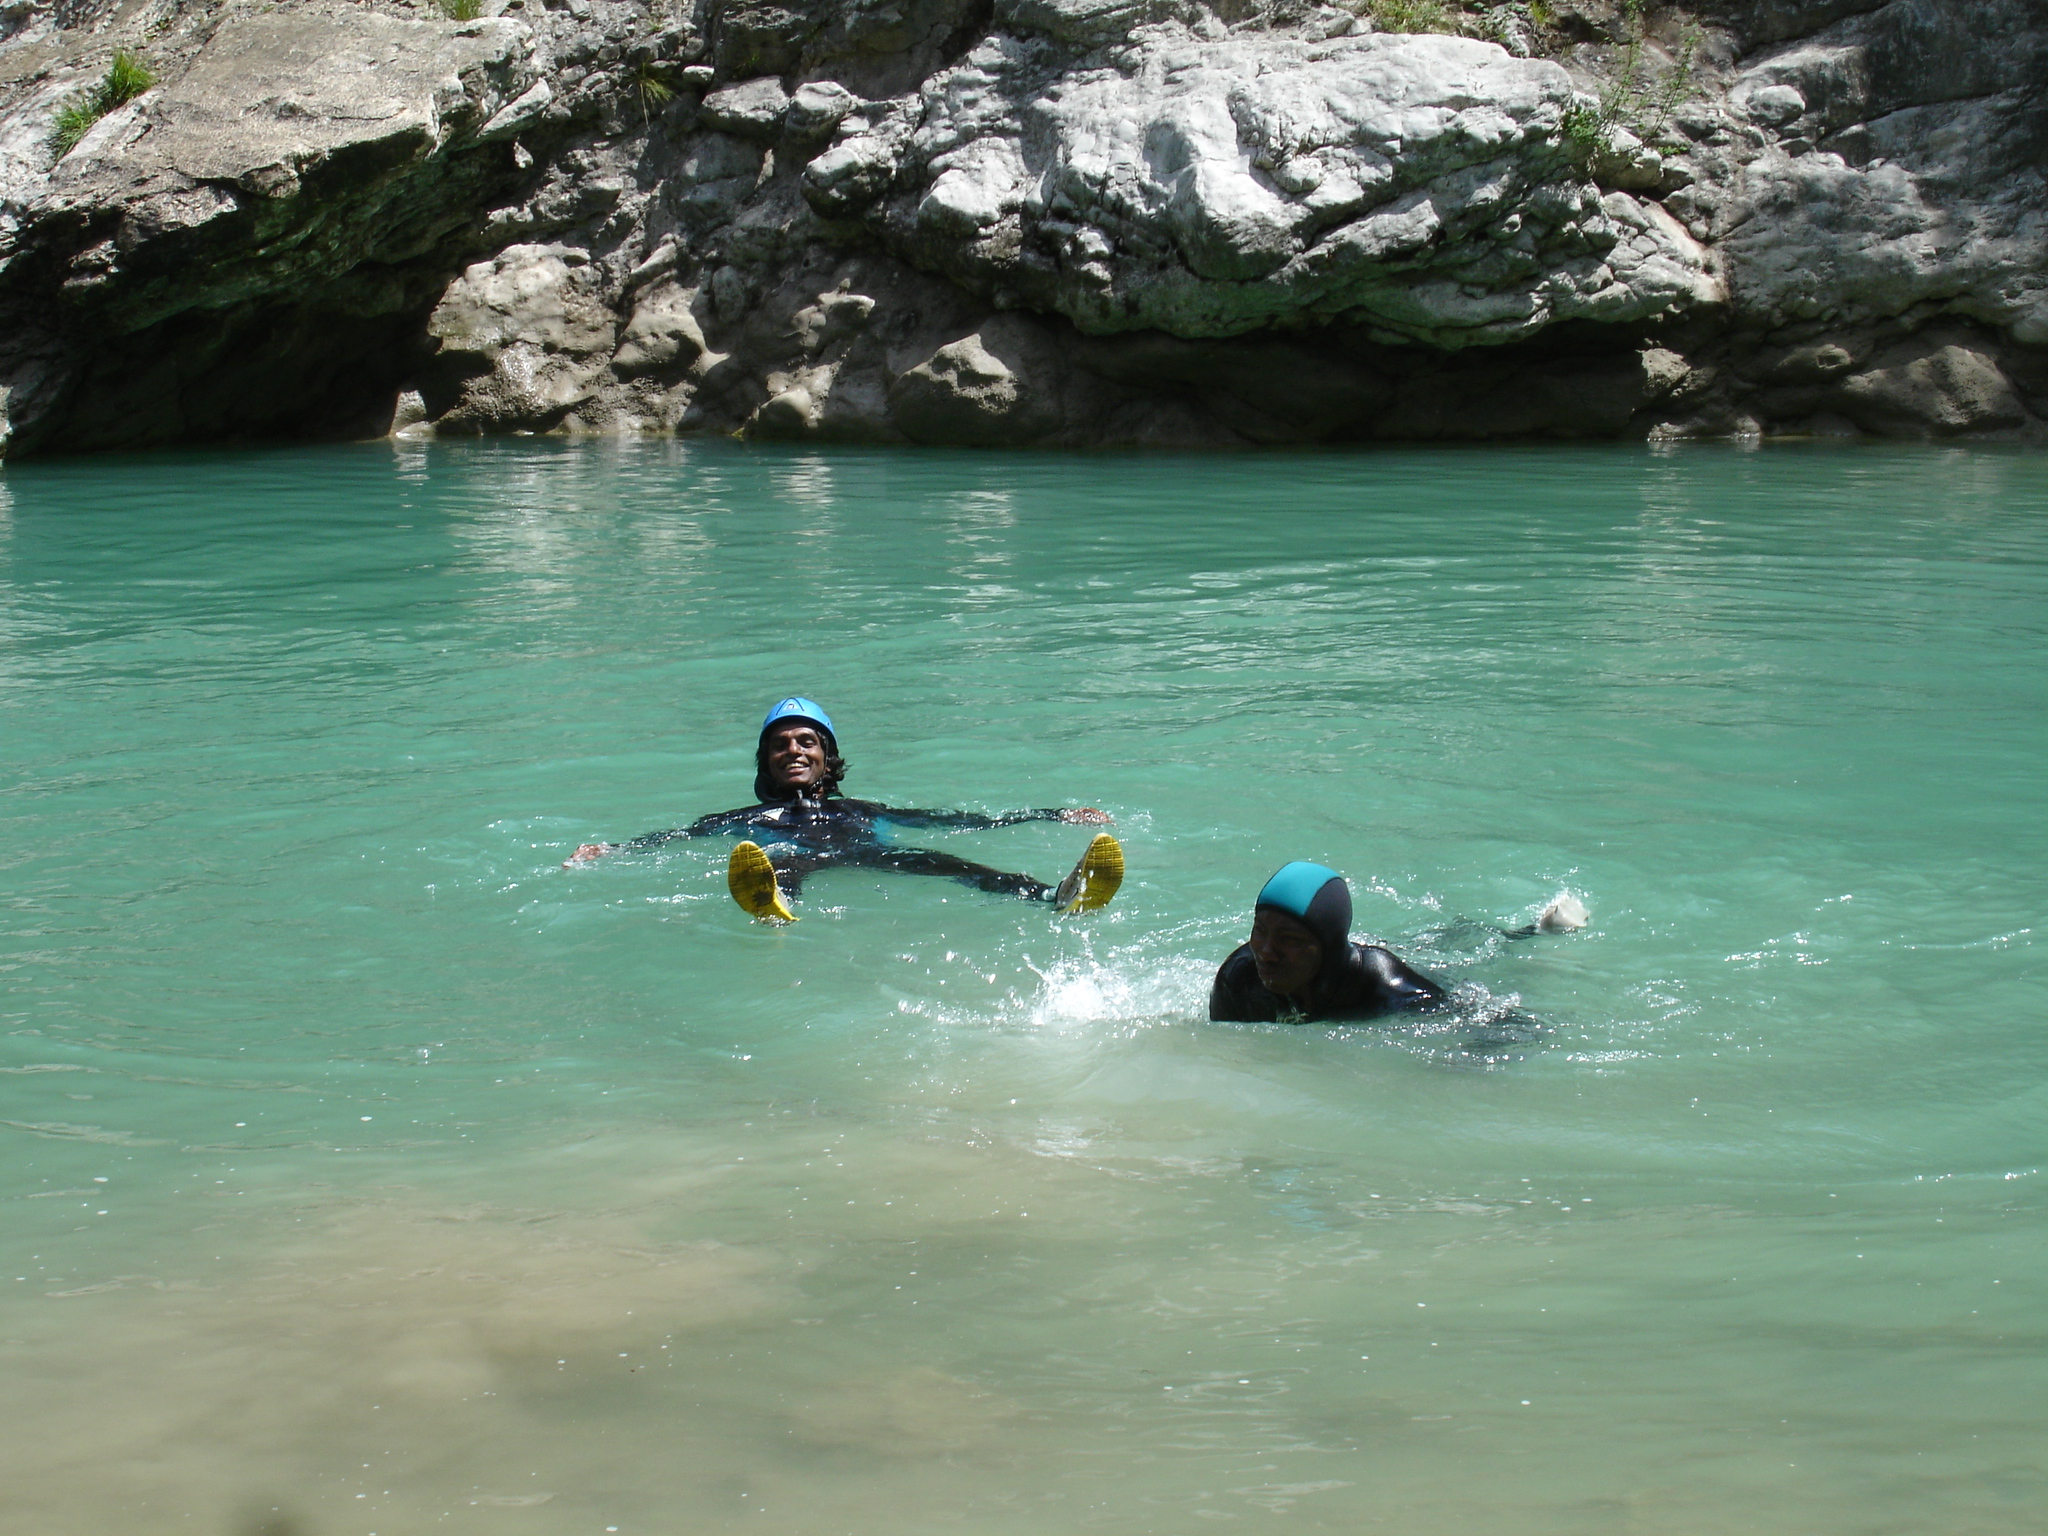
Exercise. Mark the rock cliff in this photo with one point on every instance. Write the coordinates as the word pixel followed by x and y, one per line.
pixel 1070 222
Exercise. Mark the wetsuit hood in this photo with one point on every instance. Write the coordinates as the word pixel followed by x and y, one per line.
pixel 1320 898
pixel 807 710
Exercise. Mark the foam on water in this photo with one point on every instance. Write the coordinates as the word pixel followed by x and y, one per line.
pixel 368 1171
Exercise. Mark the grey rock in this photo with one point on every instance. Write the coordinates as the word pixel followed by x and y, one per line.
pixel 789 412
pixel 1513 28
pixel 272 101
pixel 848 177
pixel 1775 105
pixel 1941 392
pixel 1813 363
pixel 857 409
pixel 537 294
pixel 663 336
pixel 530 106
pixel 713 180
pixel 1086 23
pixel 1926 187
pixel 1414 184
pixel 997 386
pixel 835 318
pixel 1625 161
pixel 729 293
pixel 816 108
pixel 753 109
pixel 300 89
pixel 536 315
pixel 410 416
pixel 1664 372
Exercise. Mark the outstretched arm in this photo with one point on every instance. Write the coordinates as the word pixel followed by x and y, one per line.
pixel 974 821
pixel 703 826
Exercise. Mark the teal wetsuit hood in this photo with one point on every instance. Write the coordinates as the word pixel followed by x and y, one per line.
pixel 795 708
pixel 1319 897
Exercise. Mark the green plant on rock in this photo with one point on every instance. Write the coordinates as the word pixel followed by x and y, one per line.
pixel 460 10
pixel 126 78
pixel 654 88
pixel 1679 82
pixel 1416 16
pixel 1585 128
pixel 1638 97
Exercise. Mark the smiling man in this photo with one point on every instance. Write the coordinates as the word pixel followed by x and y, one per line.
pixel 805 823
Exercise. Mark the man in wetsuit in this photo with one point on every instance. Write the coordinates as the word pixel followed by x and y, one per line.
pixel 807 824
pixel 1302 965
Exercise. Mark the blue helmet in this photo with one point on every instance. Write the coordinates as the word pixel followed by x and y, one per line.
pixel 797 709
pixel 1320 898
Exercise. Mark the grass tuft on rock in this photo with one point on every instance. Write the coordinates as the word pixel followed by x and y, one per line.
pixel 654 88
pixel 1453 18
pixel 126 78
pixel 1416 16
pixel 1638 97
pixel 460 10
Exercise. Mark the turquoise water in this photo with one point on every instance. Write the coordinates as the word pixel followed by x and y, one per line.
pixel 367 1171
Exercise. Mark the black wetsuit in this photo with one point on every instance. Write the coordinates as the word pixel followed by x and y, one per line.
pixel 1366 983
pixel 800 836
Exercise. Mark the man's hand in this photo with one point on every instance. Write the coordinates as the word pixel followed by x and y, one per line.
pixel 1087 815
pixel 586 853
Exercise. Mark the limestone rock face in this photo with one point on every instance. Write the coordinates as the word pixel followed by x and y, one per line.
pixel 1418 186
pixel 1009 222
pixel 663 333
pixel 753 109
pixel 996 386
pixel 1950 390
pixel 532 314
pixel 1903 167
pixel 299 153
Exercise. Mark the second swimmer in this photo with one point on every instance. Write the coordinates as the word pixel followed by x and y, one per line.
pixel 1301 965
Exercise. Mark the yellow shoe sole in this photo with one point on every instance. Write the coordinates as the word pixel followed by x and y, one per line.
pixel 751 879
pixel 1094 880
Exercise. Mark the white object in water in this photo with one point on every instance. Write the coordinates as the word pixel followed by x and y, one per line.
pixel 1565 914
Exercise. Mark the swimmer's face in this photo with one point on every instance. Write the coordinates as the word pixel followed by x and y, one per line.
pixel 796 756
pixel 1286 952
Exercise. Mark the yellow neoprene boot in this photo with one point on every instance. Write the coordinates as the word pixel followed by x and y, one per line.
pixel 1094 880
pixel 751 879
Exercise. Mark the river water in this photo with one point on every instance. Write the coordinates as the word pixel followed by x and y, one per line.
pixel 365 1171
